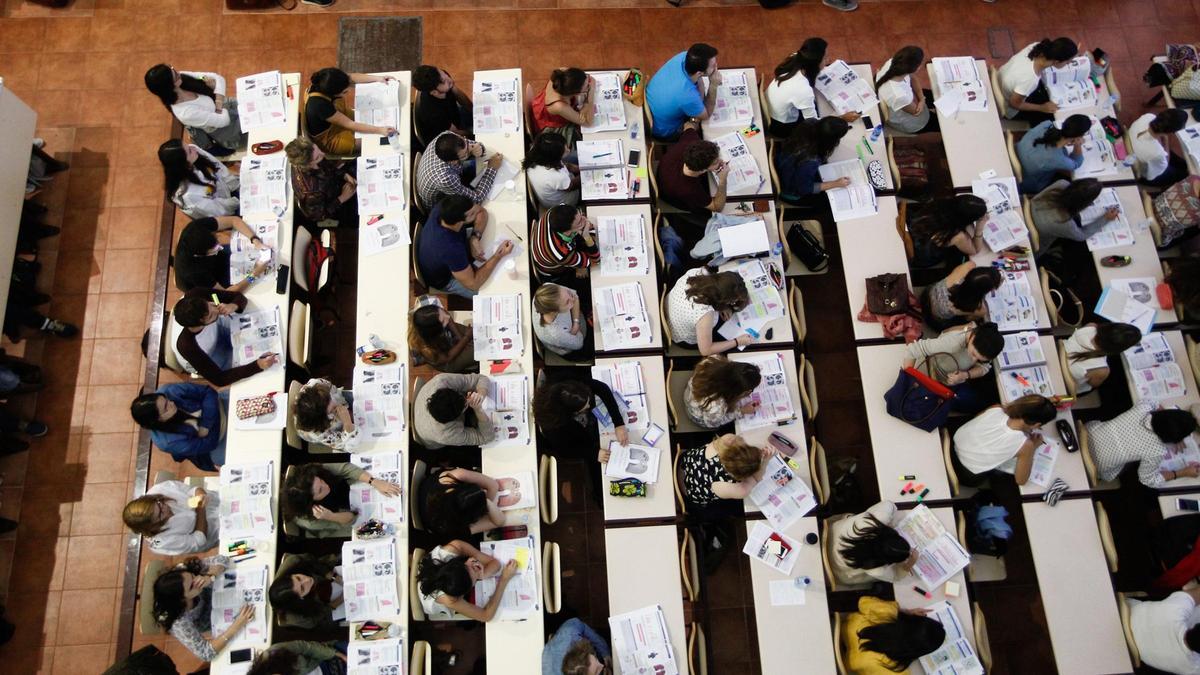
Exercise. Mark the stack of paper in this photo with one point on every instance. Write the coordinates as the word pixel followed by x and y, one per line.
pixel 381 186
pixel 641 643
pixel 844 89
pixel 1153 371
pixel 1099 158
pixel 955 656
pixel 522 596
pixel 960 85
pixel 371 584
pixel 497 106
pixel 744 175
pixel 376 657
pixel 507 406
pixel 518 491
pixel 749 238
pixel 940 556
pixel 771 548
pixel 1118 306
pixel 733 105
pixel 377 104
pixel 1020 350
pixel 371 504
pixel 1012 306
pixel 383 233
pixel 1189 138
pixel 608 103
pixel 1022 366
pixel 772 396
pixel 855 201
pixel 624 378
pixel 380 400
pixel 246 491
pixel 496 325
pixel 620 314
pixel 766 304
pixel 1004 226
pixel 602 173
pixel 1071 86
pixel 232 589
pixel 255 334
pixel 781 495
pixel 260 100
pixel 244 256
pixel 622 241
pixel 1115 232
pixel 633 461
pixel 265 184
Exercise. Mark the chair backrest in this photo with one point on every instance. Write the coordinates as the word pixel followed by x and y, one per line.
pixel 298 334
pixel 1106 537
pixel 418 383
pixel 1085 453
pixel 960 523
pixel 291 434
pixel 675 389
pixel 548 480
pixel 1152 218
pixel 774 172
pixel 799 320
pixel 808 387
pixel 1127 626
pixel 677 479
pixel 902 229
pixel 1064 364
pixel 164 475
pixel 1035 237
pixel 697 650
pixel 146 622
pixel 301 239
pixel 290 528
pixel 826 555
pixel 839 654
pixel 527 111
pixel 1011 142
pixel 421 661
pixel 414 593
pixel 414 489
pixel 818 466
pixel 652 165
pixel 1193 354
pixel 983 646
pixel 951 474
pixel 997 92
pixel 649 129
pixel 552 574
pixel 689 565
pixel 890 144
pixel 422 208
pixel 1051 309
pixel 659 256
pixel 662 316
pixel 416 269
pixel 415 96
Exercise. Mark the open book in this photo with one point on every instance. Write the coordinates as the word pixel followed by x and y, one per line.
pixel 854 201
pixel 773 395
pixel 940 556
pixel 620 315
pixel 1004 226
pixel 960 85
pixel 641 642
pixel 496 325
pixel 260 100
pixel 781 495
pixel 1022 366
pixel 371 584
pixel 1071 87
pixel 507 407
pixel 497 106
pixel 733 104
pixel 1153 371
pixel 522 596
pixel 380 399
pixel 1118 306
pixel 1115 232
pixel 370 503
pixel 1099 158
pixel 381 186
pixel 744 175
pixel 844 89
pixel 1189 138
pixel 622 242
pixel 607 102
pixel 956 656
pixel 1013 305
pixel 377 104
pixel 766 304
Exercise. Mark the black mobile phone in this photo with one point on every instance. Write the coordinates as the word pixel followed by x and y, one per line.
pixel 281 279
pixel 635 156
pixel 1187 504
pixel 1067 434
pixel 241 655
pixel 867 123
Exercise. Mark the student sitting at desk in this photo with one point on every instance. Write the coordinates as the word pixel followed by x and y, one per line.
pixel 305 592
pixel 449 410
pixel 328 119
pixel 1089 347
pixel 564 104
pixel 882 639
pixel 202 261
pixel 459 503
pixel 673 94
pixel 446 581
pixel 183 606
pixel 798 161
pixel 324 189
pixel 716 390
pixel 1001 438
pixel 205 345
pixel 719 475
pixel 1021 79
pixel 198 101
pixel 554 179
pixel 866 548
pixel 441 105
pixel 568 413
pixel 443 169
pixel 559 322
pixel 440 341
pixel 317 497
pixel 1151 136
pixel 1177 210
pixel 1047 152
pixel 169 524
pixel 683 178
pixel 970 348
pixel 959 297
pixel 563 241
pixel 576 649
pixel 947 230
pixel 1056 211
pixel 300 657
pixel 1166 632
pixel 908 111
pixel 1142 434
pixel 196 182
pixel 701 300
pixel 323 415
pixel 185 421
pixel 790 96
pixel 445 250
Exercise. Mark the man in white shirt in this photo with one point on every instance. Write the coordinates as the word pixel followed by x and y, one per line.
pixel 1165 632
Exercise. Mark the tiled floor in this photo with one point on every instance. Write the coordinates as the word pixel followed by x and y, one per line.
pixel 81 68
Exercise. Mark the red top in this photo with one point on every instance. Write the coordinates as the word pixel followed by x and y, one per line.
pixel 543 118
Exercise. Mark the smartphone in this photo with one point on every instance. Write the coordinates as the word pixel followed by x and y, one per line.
pixel 1187 504
pixel 241 655
pixel 281 279
pixel 867 123
pixel 635 156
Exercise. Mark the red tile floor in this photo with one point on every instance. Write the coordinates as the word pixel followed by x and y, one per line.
pixel 81 69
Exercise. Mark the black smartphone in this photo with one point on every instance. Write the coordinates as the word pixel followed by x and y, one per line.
pixel 867 123
pixel 241 655
pixel 281 279
pixel 635 156
pixel 1067 434
pixel 1187 504
pixel 385 141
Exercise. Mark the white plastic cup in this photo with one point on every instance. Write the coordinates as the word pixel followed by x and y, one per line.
pixel 510 266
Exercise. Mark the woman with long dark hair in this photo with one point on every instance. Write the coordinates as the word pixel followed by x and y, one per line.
pixel 317 497
pixel 1048 151
pixel 959 297
pixel 305 592
pixel 183 606
pixel 715 393
pixel 196 182
pixel 459 503
pixel 198 101
pixel 1001 439
pixel 882 639
pixel 446 579
pixel 554 179
pixel 1057 212
pixel 798 161
pixel 866 548
pixel 185 419
pixel 790 96
pixel 1088 350
pixel 565 104
pixel 568 413
pixel 442 342
pixel 947 230
pixel 328 118
pixel 909 111
pixel 1021 78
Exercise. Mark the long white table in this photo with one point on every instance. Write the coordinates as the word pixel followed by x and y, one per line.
pixel 1077 592
pixel 756 144
pixel 647 282
pixel 643 570
pixel 974 140
pixel 1168 506
pixel 20 124
pixel 899 448
pixel 1143 254
pixel 1175 340
pixel 852 145
pixel 779 626
pixel 1103 108
pixel 632 137
pixel 870 247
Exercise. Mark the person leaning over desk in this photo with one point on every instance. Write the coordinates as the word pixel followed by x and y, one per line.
pixel 715 392
pixel 798 162
pixel 563 241
pixel 568 413
pixel 866 548
pixel 328 119
pixel 185 421
pixel 457 503
pixel 1047 152
pixel 717 477
pixel 440 341
pixel 673 94
pixel 699 302
pixel 560 323
pixel 576 649
pixel 1001 438
pixel 441 105
pixel 316 497
pixel 1166 632
pixel 947 230
pixel 324 189
pixel 183 606
pixel 450 243
pixel 566 103
pixel 205 345
pixel 449 411
pixel 881 638
pixel 959 358
pixel 1142 434
pixel 959 298
pixel 446 579
pixel 1089 348
pixel 552 171
pixel 202 259
pixel 444 169
pixel 1021 78
pixel 306 591
pixel 1057 212
pixel 323 415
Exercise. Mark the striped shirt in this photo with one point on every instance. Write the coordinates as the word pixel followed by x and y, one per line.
pixel 437 177
pixel 553 254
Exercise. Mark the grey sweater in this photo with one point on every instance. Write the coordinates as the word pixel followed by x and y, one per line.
pixel 432 433
pixel 1054 223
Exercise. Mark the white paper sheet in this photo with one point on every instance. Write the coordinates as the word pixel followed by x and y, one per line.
pixel 786 592
pixel 265 185
pixel 497 106
pixel 371 585
pixel 1118 306
pixel 381 187
pixel 940 555
pixel 260 100
pixel 622 242
pixel 370 503
pixel 255 334
pixel 380 400
pixel 607 102
pixel 382 233
pixel 773 394
pixel 773 549
pixel 496 325
pixel 619 312
pixel 744 239
pixel 782 496
pixel 1044 457
pixel 246 491
pixel 233 588
pixel 377 104
pixel 844 89
pixel 517 491
pixel 641 642
pixel 633 461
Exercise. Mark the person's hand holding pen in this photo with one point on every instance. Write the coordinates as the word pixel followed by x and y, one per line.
pixel 267 360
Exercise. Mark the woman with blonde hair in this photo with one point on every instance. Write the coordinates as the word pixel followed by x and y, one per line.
pixel 325 189
pixel 164 517
pixel 719 475
pixel 715 392
pixel 560 323
pixel 700 302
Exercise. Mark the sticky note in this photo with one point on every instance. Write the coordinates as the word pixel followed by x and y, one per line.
pixel 952 589
pixel 522 558
pixel 641 172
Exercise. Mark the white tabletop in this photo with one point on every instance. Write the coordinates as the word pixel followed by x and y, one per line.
pixel 648 282
pixel 1166 504
pixel 779 626
pixel 899 448
pixel 643 569
pixel 757 144
pixel 974 140
pixel 852 145
pixel 1143 254
pixel 20 125
pixel 909 598
pixel 1175 340
pixel 1104 108
pixel 632 137
pixel 659 501
pixel 870 246
pixel 1077 593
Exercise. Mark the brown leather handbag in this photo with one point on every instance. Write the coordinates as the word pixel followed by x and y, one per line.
pixel 887 294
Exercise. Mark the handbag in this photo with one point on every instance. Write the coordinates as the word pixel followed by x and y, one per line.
pixel 254 406
pixel 887 294
pixel 918 399
pixel 1059 293
pixel 634 87
pixel 627 487
pixel 912 166
pixel 1181 57
pixel 807 248
pixel 1187 84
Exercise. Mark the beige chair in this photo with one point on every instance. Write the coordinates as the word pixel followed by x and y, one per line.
pixel 659 256
pixel 548 479
pixel 689 566
pixel 415 97
pixel 418 383
pixel 681 422
pixel 552 577
pixel 827 544
pixel 775 177
pixel 957 489
pixel 1010 142
pixel 414 489
pixel 677 479
pixel 1051 309
pixel 983 647
pixel 818 466
pixel 416 237
pixel 421 661
pixel 981 567
pixel 890 144
pixel 839 650
pixel 765 106
pixel 808 388
pixel 697 645
pixel 290 528
pixel 1082 402
pixel 1193 354
pixel 653 150
pixel 1155 226
pixel 1035 238
pixel 170 333
pixel 418 203
pixel 299 334
pixel 1127 626
pixel 1089 463
pixel 1106 538
pixel 998 93
pixel 147 624
pixel 414 594
pixel 796 309
pixel 527 112
pixel 290 434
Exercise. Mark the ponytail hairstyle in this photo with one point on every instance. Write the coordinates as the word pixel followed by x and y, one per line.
pixel 1078 195
pixel 968 295
pixel 1056 50
pixel 1111 339
pixel 816 139
pixel 942 220
pixel 1171 425
pixel 1031 409
pixel 905 62
pixel 177 169
pixel 904 640
pixel 716 378
pixel 1074 126
pixel 874 544
pixel 568 81
pixel 1169 121
pixel 806 60
pixel 719 290
pixel 161 82
pixel 546 150
pixel 169 602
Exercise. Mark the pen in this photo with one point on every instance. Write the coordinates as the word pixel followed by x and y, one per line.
pixel 514 233
pixel 868 144
pixel 603 154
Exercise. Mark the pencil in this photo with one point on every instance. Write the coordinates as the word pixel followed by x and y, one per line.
pixel 514 233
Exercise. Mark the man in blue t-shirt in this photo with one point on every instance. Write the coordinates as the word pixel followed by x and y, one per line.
pixel 446 249
pixel 674 93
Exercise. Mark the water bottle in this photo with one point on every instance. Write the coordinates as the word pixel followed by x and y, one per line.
pixel 876 132
pixel 375 341
pixel 803 582
pixel 510 266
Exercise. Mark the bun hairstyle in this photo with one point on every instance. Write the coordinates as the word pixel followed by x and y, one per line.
pixel 1074 126
pixel 806 60
pixel 1056 50
pixel 568 81
pixel 968 295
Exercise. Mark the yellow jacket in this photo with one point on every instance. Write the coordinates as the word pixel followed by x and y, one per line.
pixel 871 612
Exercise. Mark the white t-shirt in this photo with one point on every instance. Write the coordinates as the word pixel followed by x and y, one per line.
pixel 987 442
pixel 896 93
pixel 1083 340
pixel 1152 157
pixel 203 201
pixel 201 112
pixel 179 536
pixel 1158 630
pixel 1019 76
pixel 552 186
pixel 791 99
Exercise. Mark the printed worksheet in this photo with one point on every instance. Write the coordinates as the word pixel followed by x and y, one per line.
pixel 1153 350
pixel 507 405
pixel 254 334
pixel 607 102
pixel 233 588
pixel 1116 232
pixel 381 186
pixel 773 549
pixel 244 256
pixel 1012 306
pixel 622 242
pixel 766 303
pixel 1044 457
pixel 1159 382
pixel 369 575
pixel 265 185
pixel 380 400
pixel 940 556
pixel 497 106
pixel 782 495
pixel 496 325
pixel 1021 349
pixel 844 89
pixel 1180 456
pixel 624 378
pixel 376 657
pixel 604 184
pixel 641 643
pixel 854 201
pixel 955 656
pixel 371 504
pixel 1071 87
pixel 1099 158
pixel 1025 380
pixel 260 100
pixel 733 104
pixel 383 232
pixel 772 397
pixel 523 596
pixel 960 84
pixel 744 175
pixel 1142 289
pixel 517 491
pixel 604 153
pixel 246 491
pixel 1118 306
pixel 620 315
pixel 377 104
pixel 1005 226
pixel 633 461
